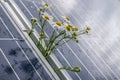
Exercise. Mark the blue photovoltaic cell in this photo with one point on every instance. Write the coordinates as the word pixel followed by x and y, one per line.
pixel 17 61
pixel 6 71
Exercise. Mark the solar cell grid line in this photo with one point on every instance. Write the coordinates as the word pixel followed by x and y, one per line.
pixel 9 64
pixel 112 71
pixel 57 49
pixel 11 39
pixel 21 49
pixel 77 57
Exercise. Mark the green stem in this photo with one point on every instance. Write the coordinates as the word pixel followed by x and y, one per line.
pixel 57 43
pixel 38 43
pixel 51 38
pixel 31 31
pixel 61 33
pixel 40 18
pixel 50 49
pixel 58 69
pixel 44 23
pixel 75 69
pixel 65 42
pixel 51 41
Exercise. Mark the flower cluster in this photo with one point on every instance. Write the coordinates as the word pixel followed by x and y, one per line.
pixel 63 31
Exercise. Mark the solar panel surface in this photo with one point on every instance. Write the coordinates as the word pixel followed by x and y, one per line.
pixel 97 54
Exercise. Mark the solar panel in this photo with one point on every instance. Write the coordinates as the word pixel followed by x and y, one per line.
pixel 97 54
pixel 17 58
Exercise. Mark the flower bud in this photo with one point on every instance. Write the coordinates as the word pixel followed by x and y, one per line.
pixel 75 29
pixel 75 34
pixel 34 20
pixel 41 9
pixel 87 30
pixel 77 69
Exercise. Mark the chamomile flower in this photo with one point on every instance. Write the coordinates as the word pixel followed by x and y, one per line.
pixel 68 29
pixel 47 17
pixel 58 25
pixel 46 5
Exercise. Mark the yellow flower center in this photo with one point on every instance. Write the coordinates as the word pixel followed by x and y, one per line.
pixel 46 4
pixel 58 23
pixel 68 28
pixel 75 29
pixel 88 28
pixel 67 18
pixel 46 17
pixel 75 34
pixel 41 9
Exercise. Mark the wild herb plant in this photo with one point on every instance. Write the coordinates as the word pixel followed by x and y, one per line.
pixel 63 32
